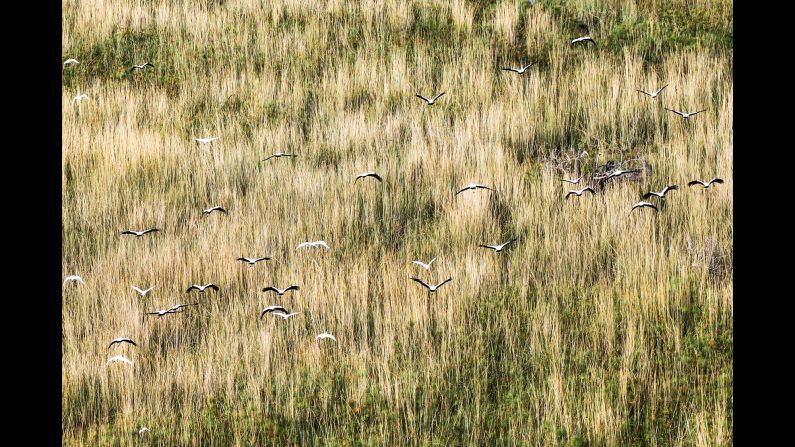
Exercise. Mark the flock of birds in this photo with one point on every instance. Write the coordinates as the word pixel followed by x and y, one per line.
pixel 285 314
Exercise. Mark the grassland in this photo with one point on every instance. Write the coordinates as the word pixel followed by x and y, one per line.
pixel 599 327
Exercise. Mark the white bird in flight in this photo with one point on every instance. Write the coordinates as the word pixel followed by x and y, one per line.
pixel 643 204
pixel 616 173
pixel 252 261
pixel 202 288
pixel 431 288
pixel 122 340
pixel 326 335
pixel 368 174
pixel 142 66
pixel 430 101
pixel 119 358
pixel 70 62
pixel 584 39
pixel 473 186
pixel 314 244
pixel 178 306
pixel 162 312
pixel 142 292
pixel 140 233
pixel 205 140
pixel 705 184
pixel 655 94
pixel 521 69
pixel 285 316
pixel 142 431
pixel 278 155
pixel 578 193
pixel 424 265
pixel 79 98
pixel 73 278
pixel 662 193
pixel 685 115
pixel 215 208
pixel 573 181
pixel 498 248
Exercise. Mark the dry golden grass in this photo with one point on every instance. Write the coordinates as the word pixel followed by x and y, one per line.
pixel 598 327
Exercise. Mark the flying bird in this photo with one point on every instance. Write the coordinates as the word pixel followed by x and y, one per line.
pixel 73 278
pixel 141 291
pixel 270 309
pixel 685 115
pixel 655 94
pixel 368 174
pixel 498 248
pixel 205 140
pixel 252 261
pixel 616 173
pixel 119 358
pixel 314 244
pixel 285 316
pixel 175 308
pixel 325 335
pixel 201 288
pixel 578 193
pixel 662 193
pixel 584 39
pixel 70 62
pixel 162 312
pixel 573 181
pixel 473 186
pixel 519 70
pixel 430 101
pixel 431 288
pixel 642 204
pixel 142 66
pixel 280 292
pixel 79 98
pixel 279 155
pixel 215 208
pixel 140 233
pixel 142 431
pixel 122 340
pixel 424 265
pixel 705 184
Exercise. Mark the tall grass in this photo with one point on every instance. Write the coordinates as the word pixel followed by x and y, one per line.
pixel 599 327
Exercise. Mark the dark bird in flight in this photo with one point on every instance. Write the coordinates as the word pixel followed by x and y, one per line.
pixel 140 233
pixel 252 261
pixel 472 187
pixel 431 288
pixel 705 184
pixel 201 288
pixel 579 193
pixel 122 340
pixel 279 292
pixel 430 101
pixel 368 174
pixel 662 193
pixel 278 155
pixel 270 309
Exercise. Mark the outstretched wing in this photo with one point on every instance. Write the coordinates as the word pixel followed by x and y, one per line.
pixel 439 96
pixel 421 282
pixel 423 98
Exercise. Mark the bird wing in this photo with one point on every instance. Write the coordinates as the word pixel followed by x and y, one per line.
pixel 193 287
pixel 661 89
pixel 511 69
pixel 268 158
pixel 528 66
pixel 670 110
pixel 439 96
pixel 270 289
pixel 696 182
pixel 647 195
pixel 488 246
pixel 128 232
pixel 423 98
pixel 509 242
pixel 264 258
pixel 716 180
pixel 645 93
pixel 421 282
pixel 443 283
pixel 212 286
pixel 696 113
pixel 150 230
pixel 292 288
pixel 376 176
